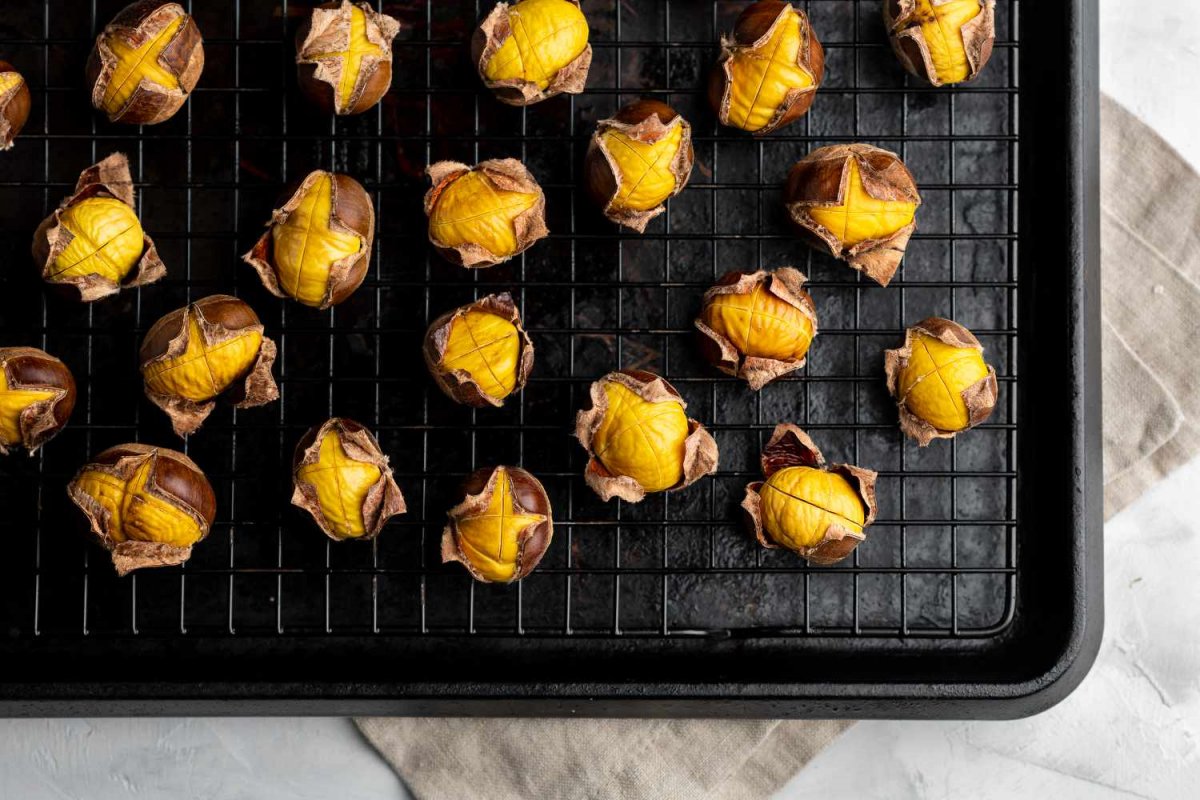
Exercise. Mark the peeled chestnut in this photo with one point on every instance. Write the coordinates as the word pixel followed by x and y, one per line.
pixel 317 247
pixel 532 50
pixel 940 381
pixel 197 353
pixel 145 63
pixel 344 56
pixel 37 395
pixel 147 505
pixel 479 354
pixel 856 201
pixel 758 326
pixel 342 478
pixel 638 160
pixel 501 528
pixel 942 41
pixel 818 512
pixel 14 104
pixel 94 242
pixel 484 215
pixel 770 69
pixel 639 439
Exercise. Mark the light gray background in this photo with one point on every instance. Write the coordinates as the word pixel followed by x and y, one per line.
pixel 1131 730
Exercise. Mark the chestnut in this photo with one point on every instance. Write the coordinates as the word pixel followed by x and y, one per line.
pixel 856 201
pixel 639 438
pixel 818 512
pixel 342 478
pixel 942 41
pixel 757 326
pixel 479 354
pixel 148 506
pixel 532 50
pixel 940 382
pixel 502 527
pixel 770 69
pixel 484 215
pixel 193 355
pixel 37 395
pixel 14 104
pixel 93 243
pixel 637 160
pixel 317 247
pixel 344 56
pixel 145 63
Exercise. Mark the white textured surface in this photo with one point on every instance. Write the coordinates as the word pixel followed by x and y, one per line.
pixel 1131 730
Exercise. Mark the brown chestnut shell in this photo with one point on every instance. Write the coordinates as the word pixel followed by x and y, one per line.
pixel 790 446
pixel 175 478
pixel 488 37
pixel 183 57
pixel 458 384
pixel 822 178
pixel 108 178
pixel 752 30
pixel 31 368
pixel 646 121
pixel 528 496
pixel 324 31
pixel 979 39
pixel 14 108
pixel 351 212
pixel 220 318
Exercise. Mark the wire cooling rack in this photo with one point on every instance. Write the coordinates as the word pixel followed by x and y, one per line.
pixel 941 561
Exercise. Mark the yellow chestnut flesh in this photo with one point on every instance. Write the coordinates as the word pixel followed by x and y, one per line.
pixel 641 439
pixel 472 211
pixel 932 382
pixel 352 57
pixel 138 64
pixel 760 325
pixel 799 504
pixel 342 485
pixel 9 81
pixel 546 35
pixel 942 26
pixel 645 168
pixel 137 513
pixel 762 77
pixel 12 403
pixel 107 240
pixel 305 247
pixel 860 217
pixel 486 347
pixel 203 371
pixel 491 540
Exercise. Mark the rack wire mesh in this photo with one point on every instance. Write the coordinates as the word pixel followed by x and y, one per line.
pixel 941 561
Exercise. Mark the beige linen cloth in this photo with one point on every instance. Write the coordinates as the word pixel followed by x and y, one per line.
pixel 1151 325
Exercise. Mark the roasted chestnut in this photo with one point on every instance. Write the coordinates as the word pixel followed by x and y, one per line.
pixel 532 50
pixel 479 354
pixel 639 439
pixel 145 63
pixel 197 353
pixel 317 247
pixel 37 395
pixel 501 528
pixel 637 160
pixel 344 56
pixel 818 512
pixel 14 104
pixel 940 381
pixel 94 242
pixel 856 201
pixel 942 41
pixel 484 215
pixel 147 505
pixel 758 326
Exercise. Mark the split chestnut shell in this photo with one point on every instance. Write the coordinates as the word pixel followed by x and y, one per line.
pixel 502 527
pixel 14 104
pixel 942 41
pixel 37 395
pixel 479 354
pixel 532 50
pixel 344 56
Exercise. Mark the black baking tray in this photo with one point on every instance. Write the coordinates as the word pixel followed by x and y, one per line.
pixel 978 594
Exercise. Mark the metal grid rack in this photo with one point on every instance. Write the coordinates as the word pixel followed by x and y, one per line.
pixel 940 562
